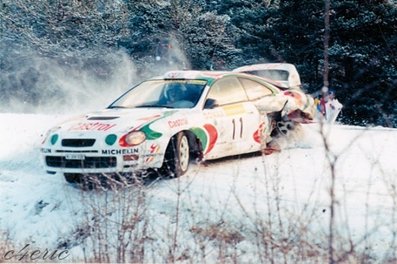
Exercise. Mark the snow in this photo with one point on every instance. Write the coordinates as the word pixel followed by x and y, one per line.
pixel 288 193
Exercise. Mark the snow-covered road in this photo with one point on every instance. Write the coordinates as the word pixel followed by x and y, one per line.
pixel 288 191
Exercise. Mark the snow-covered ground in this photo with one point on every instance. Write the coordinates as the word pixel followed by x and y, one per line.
pixel 216 211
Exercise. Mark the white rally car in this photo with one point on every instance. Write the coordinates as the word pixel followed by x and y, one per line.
pixel 165 122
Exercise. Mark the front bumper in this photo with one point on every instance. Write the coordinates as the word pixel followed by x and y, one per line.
pixel 99 160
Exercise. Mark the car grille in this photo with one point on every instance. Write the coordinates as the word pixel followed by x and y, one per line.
pixel 78 142
pixel 87 162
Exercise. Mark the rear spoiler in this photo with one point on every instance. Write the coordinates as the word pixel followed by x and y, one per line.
pixel 285 75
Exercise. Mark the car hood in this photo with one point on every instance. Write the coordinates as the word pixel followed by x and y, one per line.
pixel 115 120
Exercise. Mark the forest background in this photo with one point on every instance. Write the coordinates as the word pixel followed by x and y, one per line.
pixel 94 38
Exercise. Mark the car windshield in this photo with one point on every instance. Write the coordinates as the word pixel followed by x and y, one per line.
pixel 162 93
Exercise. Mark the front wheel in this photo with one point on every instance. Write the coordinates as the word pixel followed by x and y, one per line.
pixel 284 127
pixel 177 156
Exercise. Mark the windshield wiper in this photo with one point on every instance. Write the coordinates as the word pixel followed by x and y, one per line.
pixel 154 105
pixel 117 106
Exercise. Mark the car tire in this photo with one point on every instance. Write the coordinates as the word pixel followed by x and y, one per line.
pixel 84 181
pixel 72 177
pixel 177 156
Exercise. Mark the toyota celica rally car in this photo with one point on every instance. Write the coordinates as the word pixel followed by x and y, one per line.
pixel 163 123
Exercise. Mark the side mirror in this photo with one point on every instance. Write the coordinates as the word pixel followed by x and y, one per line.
pixel 210 103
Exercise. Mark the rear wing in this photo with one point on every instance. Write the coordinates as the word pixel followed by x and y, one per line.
pixel 284 75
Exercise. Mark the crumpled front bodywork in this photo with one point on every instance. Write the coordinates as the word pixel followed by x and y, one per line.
pixel 294 105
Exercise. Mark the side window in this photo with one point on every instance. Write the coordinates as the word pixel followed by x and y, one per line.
pixel 280 75
pixel 254 89
pixel 227 91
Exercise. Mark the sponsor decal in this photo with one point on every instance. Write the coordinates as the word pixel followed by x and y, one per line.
pixel 177 123
pixel 236 109
pixel 120 151
pixel 92 126
pixel 259 133
pixel 45 150
pixel 154 148
pixel 149 159
pixel 150 133
pixel 207 136
pixel 213 134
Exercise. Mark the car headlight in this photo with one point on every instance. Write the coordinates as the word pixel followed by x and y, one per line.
pixel 132 139
pixel 54 137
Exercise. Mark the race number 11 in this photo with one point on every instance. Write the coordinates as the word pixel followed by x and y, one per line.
pixel 234 128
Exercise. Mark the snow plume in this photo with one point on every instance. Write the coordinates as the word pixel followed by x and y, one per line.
pixel 72 84
pixel 178 59
pixel 168 55
pixel 80 81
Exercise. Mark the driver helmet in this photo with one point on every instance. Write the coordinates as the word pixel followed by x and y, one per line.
pixel 175 92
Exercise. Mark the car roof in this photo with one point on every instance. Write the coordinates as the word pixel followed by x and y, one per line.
pixel 191 74
pixel 293 77
pixel 212 76
pixel 208 76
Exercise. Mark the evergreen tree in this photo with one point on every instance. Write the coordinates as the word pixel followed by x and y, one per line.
pixel 212 34
pixel 364 60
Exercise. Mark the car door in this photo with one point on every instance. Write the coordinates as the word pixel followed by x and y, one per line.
pixel 259 128
pixel 231 115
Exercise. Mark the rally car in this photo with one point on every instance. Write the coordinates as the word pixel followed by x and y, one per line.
pixel 163 123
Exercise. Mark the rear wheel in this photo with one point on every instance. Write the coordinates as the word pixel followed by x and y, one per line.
pixel 177 156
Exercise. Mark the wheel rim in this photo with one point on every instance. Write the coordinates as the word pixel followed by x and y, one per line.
pixel 284 127
pixel 184 153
